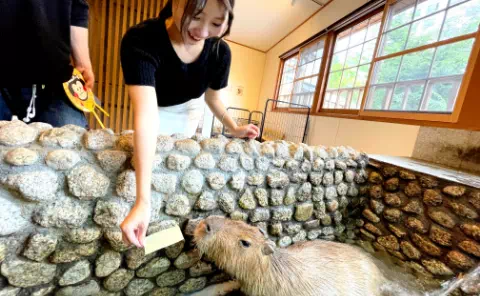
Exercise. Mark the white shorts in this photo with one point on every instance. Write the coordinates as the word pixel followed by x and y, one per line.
pixel 181 119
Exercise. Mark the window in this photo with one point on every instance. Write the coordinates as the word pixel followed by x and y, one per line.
pixel 423 54
pixel 350 65
pixel 300 76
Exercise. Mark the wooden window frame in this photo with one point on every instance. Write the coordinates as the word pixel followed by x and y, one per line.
pixel 405 117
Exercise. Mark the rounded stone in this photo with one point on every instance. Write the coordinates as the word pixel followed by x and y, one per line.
pixel 127 186
pixel 352 191
pixel 331 192
pixel 36 186
pixel 470 247
pixel 86 183
pixel 176 162
pixel 406 175
pixel 463 210
pixel 305 192
pixel 416 225
pixel 247 201
pixel 204 161
pixel 17 135
pixel 59 137
pixel 174 250
pixel 367 213
pixel 233 148
pixel 75 274
pixel 277 196
pixel 376 192
pixel 389 242
pixel 153 268
pixel 63 213
pixel 228 164
pixel 440 236
pixel 373 229
pixel 216 181
pixel 332 205
pixel 21 157
pixel 474 199
pixel 65 253
pixel 107 263
pixel 111 160
pixel 392 184
pixel 40 126
pixel 118 280
pixel 99 139
pixel 115 238
pixel 413 189
pixel 9 291
pixel 377 206
pixel 255 180
pixel 414 206
pixel 472 230
pixel 303 211
pixel 277 180
pixel 392 199
pixel 282 214
pixel 262 197
pixel 206 202
pixel 276 229
pixel 316 178
pixel 239 216
pixel 318 193
pixel 426 245
pixel 40 246
pixel 110 213
pixel 284 242
pixel 260 215
pixel 139 287
pixel 26 274
pixel 193 284
pixel 11 219
pixel 342 189
pixel 328 179
pixel 187 260
pixel 135 257
pixel 164 143
pixel 188 146
pixel 392 215
pixel 164 292
pixel 193 182
pixel 454 191
pixel 436 267
pixel 238 181
pixel 338 177
pixel 164 183
pixel 90 288
pixel 246 162
pixel 226 202
pixel 178 205
pixel 262 163
pixel 171 278
pixel 459 260
pixel 442 218
pixel 278 162
pixel 299 237
pixel 125 142
pixel 314 234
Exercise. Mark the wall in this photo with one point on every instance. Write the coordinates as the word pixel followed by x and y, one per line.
pixel 65 191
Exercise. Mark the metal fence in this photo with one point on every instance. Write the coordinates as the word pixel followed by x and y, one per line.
pixel 241 116
pixel 285 121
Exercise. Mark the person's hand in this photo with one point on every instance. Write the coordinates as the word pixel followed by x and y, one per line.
pixel 246 131
pixel 88 75
pixel 134 227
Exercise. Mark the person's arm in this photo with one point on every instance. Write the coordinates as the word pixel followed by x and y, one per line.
pixel 214 102
pixel 145 124
pixel 79 41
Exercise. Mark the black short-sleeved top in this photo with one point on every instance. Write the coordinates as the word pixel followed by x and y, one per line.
pixel 148 58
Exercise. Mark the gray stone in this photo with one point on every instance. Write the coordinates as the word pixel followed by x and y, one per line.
pixel 90 288
pixel 21 157
pixel 188 146
pixel 267 150
pixel 332 205
pixel 316 179
pixel 178 162
pixel 306 166
pixel 193 284
pixel 153 268
pixel 293 228
pixel 255 180
pixel 262 163
pixel 187 260
pixel 277 180
pixel 193 181
pixel 114 238
pixel 233 148
pixel 298 177
pixel 178 205
pixel 110 160
pixel 282 150
pixel 303 211
pixel 318 165
pixel 110 213
pixel 361 176
pixel 314 234
pixel 75 274
pixel 330 165
pixel 164 292
pixel 238 215
pixel 107 263
pixel 338 177
pixel 278 162
pixel 247 201
pixel 86 183
pixel 216 181
pixel 328 230
pixel 162 225
pixel 349 176
pixel 171 278
pixel 62 159
pixel 98 139
pixel 284 242
pixel 11 220
pixel 331 192
pixel 44 291
pixel 3 252
pixel 300 237
pixel 17 135
pixel 262 197
pixel 352 191
pixel 164 183
pixel 201 268
pixel 65 252
pixel 311 224
pixel 339 229
pixel 205 161
pixel 63 213
pixel 164 143
pixel 246 162
pixel 40 246
pixel 37 186
pixel 305 192
pixel 59 137
pixel 260 215
pixel 321 208
pixel 282 214
pixel 378 207
pixel 238 181
pixel 292 165
pixel 127 186
pixel 226 202
pixel 215 146
pixel 340 165
pixel 206 202
pixel 40 126
pixel 276 197
pixel 252 147
pixel 139 287
pixel 27 274
pixel 118 280
pixel 318 193
pixel 9 291
pixel 337 217
pixel 276 229
pixel 328 179
pixel 228 164
pixel 342 189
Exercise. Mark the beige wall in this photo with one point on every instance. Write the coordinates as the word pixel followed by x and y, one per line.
pixel 371 137
pixel 246 71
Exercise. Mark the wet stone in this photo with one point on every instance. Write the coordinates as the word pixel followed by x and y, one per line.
pixel 463 210
pixel 414 206
pixel 442 218
pixel 107 263
pixel 454 191
pixel 440 236
pixel 204 161
pixel 392 215
pixel 432 198
pixel 410 250
pixel 416 225
pixel 426 245
pixel 436 267
pixel 460 260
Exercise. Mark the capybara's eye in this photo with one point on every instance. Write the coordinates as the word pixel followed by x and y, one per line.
pixel 245 243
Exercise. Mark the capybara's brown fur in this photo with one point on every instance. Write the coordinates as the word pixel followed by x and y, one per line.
pixel 310 268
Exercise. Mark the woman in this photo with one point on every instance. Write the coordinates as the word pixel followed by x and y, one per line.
pixel 168 63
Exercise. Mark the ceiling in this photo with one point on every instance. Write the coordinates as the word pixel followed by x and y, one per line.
pixel 262 23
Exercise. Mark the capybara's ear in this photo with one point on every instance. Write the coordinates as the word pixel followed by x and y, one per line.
pixel 268 248
pixel 262 232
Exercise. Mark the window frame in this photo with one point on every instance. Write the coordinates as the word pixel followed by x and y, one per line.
pixel 409 117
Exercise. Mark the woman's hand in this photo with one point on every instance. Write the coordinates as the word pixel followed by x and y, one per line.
pixel 134 227
pixel 246 131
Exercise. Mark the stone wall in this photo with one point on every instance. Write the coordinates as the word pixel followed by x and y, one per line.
pixel 64 192
pixel 430 225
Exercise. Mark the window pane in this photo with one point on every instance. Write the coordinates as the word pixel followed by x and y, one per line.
pixel 462 19
pixel 367 54
pixel 353 56
pixel 360 31
pixel 316 66
pixel 319 51
pixel 453 2
pixel 452 59
pixel 373 30
pixel 354 100
pixel 286 89
pixel 333 100
pixel 378 98
pixel 416 65
pixel 439 97
pixel 348 77
pixel 395 41
pixel 342 41
pixel 397 99
pixel 334 80
pixel 414 97
pixel 387 70
pixel 338 60
pixel 401 13
pixel 342 100
pixel 309 70
pixel 425 31
pixel 362 76
pixel 427 7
